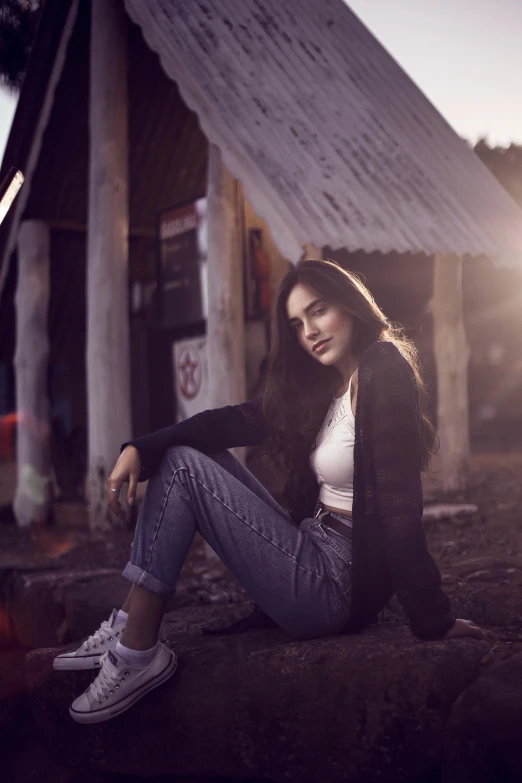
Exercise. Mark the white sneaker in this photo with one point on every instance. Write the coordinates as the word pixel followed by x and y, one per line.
pixel 88 655
pixel 118 686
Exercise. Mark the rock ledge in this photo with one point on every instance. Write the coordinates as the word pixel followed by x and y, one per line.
pixel 371 706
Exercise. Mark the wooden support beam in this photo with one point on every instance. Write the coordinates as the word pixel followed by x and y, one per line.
pixel 226 328
pixel 312 252
pixel 33 492
pixel 452 357
pixel 108 361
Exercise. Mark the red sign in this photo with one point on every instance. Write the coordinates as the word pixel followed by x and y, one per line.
pixel 178 221
pixel 190 373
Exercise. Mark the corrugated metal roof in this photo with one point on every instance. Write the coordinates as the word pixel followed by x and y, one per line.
pixel 334 143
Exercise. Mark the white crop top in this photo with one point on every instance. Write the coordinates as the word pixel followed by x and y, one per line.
pixel 332 460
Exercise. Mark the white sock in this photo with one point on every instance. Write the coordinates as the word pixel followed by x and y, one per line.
pixel 121 616
pixel 137 659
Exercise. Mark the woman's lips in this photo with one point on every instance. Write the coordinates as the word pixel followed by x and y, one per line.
pixel 321 346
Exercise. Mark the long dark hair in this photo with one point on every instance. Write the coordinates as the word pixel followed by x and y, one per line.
pixel 299 389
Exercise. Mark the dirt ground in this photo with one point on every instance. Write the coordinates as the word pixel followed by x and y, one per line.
pixel 482 555
pixel 495 486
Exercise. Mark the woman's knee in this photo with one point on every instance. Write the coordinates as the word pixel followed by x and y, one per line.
pixel 180 455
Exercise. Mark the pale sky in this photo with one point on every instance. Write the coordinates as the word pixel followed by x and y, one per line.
pixel 465 55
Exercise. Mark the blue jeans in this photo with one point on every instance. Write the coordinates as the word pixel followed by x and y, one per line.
pixel 301 576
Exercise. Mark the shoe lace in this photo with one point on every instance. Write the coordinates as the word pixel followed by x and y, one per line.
pixel 107 681
pixel 105 633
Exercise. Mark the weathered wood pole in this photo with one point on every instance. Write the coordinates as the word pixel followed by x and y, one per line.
pixel 33 492
pixel 313 252
pixel 226 327
pixel 452 357
pixel 108 361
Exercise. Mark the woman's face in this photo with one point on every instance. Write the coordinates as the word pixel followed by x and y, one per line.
pixel 315 320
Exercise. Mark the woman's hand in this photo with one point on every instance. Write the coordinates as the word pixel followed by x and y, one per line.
pixel 126 469
pixel 465 628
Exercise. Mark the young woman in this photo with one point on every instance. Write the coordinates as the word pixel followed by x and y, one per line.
pixel 343 417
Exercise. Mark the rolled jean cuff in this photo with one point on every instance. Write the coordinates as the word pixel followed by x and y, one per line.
pixel 141 578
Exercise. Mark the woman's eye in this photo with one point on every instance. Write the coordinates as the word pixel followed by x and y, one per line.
pixel 317 312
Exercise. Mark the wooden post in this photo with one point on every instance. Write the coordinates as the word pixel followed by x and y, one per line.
pixel 108 373
pixel 33 493
pixel 452 357
pixel 313 252
pixel 226 327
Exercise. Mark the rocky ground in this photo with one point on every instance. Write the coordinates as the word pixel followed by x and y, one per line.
pixel 54 588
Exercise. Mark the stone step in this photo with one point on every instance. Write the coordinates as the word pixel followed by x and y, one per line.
pixel 47 602
pixel 39 602
pixel 371 706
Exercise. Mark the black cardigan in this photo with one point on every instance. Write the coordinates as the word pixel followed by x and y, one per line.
pixel 390 553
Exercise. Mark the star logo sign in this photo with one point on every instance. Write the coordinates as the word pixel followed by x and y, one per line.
pixel 190 373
